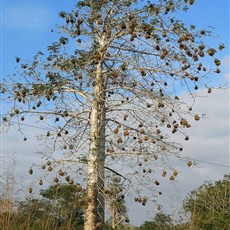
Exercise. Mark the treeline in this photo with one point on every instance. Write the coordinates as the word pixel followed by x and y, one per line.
pixel 61 207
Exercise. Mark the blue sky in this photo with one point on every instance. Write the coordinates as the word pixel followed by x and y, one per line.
pixel 26 25
pixel 25 29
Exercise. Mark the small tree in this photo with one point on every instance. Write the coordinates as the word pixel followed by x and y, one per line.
pixel 115 198
pixel 209 205
pixel 61 207
pixel 8 191
pixel 68 202
pixel 160 221
pixel 108 89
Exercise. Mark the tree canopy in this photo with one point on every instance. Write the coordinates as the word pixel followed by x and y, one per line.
pixel 209 205
pixel 160 221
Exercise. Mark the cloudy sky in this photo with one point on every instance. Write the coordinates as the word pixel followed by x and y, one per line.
pixel 25 29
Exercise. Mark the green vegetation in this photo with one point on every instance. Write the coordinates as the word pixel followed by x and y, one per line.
pixel 160 221
pixel 61 207
pixel 209 205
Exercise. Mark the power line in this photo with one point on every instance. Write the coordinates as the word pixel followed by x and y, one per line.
pixel 202 161
pixel 216 164
pixel 32 126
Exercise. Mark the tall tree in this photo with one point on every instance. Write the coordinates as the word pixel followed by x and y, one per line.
pixel 209 205
pixel 109 88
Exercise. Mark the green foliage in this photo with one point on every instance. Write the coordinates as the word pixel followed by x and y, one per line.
pixel 60 208
pixel 160 221
pixel 108 226
pixel 209 205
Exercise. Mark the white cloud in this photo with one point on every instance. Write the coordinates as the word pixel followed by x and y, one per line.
pixel 208 144
pixel 226 63
pixel 25 16
pixel 209 137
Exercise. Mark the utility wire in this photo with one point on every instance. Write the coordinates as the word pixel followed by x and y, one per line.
pixel 216 164
pixel 202 161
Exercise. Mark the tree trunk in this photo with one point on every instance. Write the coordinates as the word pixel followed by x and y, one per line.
pixel 113 217
pixel 94 213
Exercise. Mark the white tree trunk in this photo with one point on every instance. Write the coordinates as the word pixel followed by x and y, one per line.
pixel 94 213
